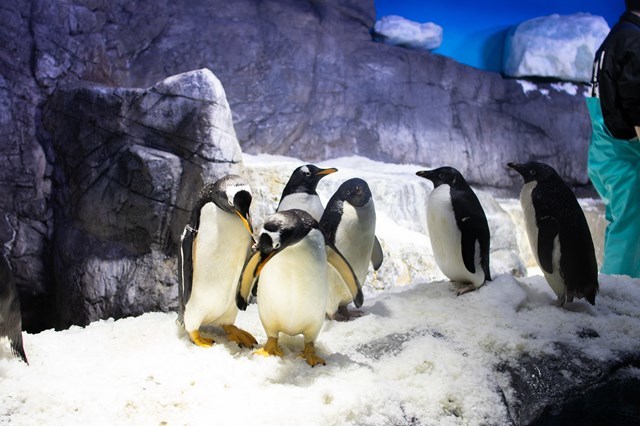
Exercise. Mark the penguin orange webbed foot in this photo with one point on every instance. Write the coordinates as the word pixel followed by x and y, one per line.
pixel 270 348
pixel 309 355
pixel 196 338
pixel 241 337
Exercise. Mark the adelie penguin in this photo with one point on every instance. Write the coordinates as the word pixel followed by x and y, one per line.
pixel 349 223
pixel 300 190
pixel 291 263
pixel 214 247
pixel 558 233
pixel 458 228
pixel 10 316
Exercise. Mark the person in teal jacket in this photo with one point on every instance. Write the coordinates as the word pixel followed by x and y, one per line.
pixel 614 152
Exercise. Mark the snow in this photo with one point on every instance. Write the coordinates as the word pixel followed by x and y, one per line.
pixel 420 354
pixel 396 30
pixel 566 87
pixel 555 46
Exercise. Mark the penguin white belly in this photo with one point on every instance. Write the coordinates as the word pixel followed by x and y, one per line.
pixel 354 239
pixel 303 201
pixel 219 252
pixel 293 289
pixel 555 279
pixel 446 239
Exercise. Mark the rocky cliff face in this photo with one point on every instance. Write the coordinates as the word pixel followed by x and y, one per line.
pixel 128 163
pixel 303 78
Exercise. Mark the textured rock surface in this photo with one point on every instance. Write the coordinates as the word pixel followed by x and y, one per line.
pixel 302 78
pixel 128 163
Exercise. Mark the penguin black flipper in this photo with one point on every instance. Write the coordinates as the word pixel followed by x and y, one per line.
pixel 331 218
pixel 548 229
pixel 376 254
pixel 10 315
pixel 468 243
pixel 473 225
pixel 342 267
pixel 185 262
pixel 185 268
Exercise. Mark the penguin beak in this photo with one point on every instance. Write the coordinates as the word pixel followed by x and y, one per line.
pixel 264 262
pixel 324 172
pixel 246 221
pixel 427 174
pixel 517 167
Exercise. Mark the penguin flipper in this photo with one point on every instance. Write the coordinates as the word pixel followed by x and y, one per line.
pixel 185 269
pixel 17 346
pixel 468 243
pixel 11 327
pixel 376 254
pixel 247 278
pixel 342 267
pixel 548 229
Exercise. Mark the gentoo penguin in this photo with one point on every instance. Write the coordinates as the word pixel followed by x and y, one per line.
pixel 300 190
pixel 558 233
pixel 10 316
pixel 291 262
pixel 349 222
pixel 458 228
pixel 214 246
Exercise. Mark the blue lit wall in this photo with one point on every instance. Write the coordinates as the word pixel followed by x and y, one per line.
pixel 474 31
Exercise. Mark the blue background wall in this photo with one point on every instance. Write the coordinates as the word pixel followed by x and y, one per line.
pixel 474 31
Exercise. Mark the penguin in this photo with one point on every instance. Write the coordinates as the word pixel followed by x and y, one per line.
pixel 558 233
pixel 10 316
pixel 349 223
pixel 458 229
pixel 214 246
pixel 291 262
pixel 300 190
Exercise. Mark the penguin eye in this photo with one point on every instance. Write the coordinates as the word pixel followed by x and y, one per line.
pixel 532 172
pixel 276 246
pixel 307 174
pixel 441 176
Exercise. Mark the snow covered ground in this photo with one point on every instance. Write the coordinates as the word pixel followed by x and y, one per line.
pixel 419 354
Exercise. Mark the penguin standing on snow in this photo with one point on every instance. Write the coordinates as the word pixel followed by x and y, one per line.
pixel 10 316
pixel 558 233
pixel 458 228
pixel 300 191
pixel 214 246
pixel 349 223
pixel 291 263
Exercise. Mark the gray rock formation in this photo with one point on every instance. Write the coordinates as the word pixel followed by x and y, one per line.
pixel 128 163
pixel 302 78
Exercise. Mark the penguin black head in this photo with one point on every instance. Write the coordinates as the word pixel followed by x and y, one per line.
pixel 354 191
pixel 443 176
pixel 232 194
pixel 284 229
pixel 534 171
pixel 305 179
